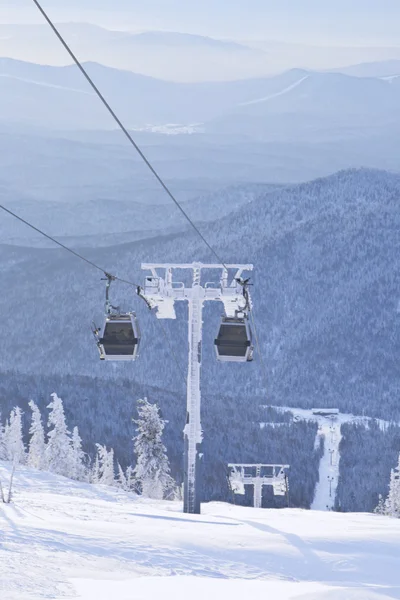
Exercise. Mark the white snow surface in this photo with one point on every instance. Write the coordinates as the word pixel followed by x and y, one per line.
pixel 60 539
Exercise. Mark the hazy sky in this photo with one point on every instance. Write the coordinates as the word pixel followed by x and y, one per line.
pixel 375 22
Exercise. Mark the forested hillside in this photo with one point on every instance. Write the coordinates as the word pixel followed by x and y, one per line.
pixel 326 299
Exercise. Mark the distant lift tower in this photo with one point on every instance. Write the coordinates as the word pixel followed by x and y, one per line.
pixel 259 475
pixel 161 291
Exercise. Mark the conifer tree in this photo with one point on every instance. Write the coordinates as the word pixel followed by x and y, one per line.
pixel 104 466
pixel 152 467
pixel 58 449
pixel 381 509
pixel 95 472
pixel 391 506
pixel 78 468
pixel 37 444
pixel 2 442
pixel 393 499
pixel 14 445
pixel 130 479
pixel 121 479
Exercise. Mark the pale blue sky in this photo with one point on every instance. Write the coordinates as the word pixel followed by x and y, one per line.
pixel 334 21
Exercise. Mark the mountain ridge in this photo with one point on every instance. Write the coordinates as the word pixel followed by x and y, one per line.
pixel 310 244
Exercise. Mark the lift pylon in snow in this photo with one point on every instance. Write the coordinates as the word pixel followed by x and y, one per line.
pixel 259 475
pixel 161 291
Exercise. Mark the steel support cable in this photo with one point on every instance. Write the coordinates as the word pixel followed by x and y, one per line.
pixel 49 237
pixel 135 146
pixel 124 129
pixel 95 266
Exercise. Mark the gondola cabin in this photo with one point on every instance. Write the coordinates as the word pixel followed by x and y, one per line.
pixel 234 340
pixel 119 339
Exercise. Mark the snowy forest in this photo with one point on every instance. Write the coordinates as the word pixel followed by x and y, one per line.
pixel 282 439
pixel 53 448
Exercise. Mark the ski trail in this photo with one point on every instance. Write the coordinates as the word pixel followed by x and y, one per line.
pixel 277 94
pixel 329 428
pixel 45 84
pixel 325 492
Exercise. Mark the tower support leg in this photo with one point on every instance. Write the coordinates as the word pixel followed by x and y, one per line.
pixel 192 431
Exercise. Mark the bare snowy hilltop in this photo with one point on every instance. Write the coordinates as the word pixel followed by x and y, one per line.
pixel 61 539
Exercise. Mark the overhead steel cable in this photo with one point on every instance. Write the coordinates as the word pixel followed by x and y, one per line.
pixel 124 129
pixel 135 146
pixel 49 237
pixel 104 271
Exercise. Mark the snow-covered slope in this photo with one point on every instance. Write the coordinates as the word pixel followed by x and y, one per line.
pixel 60 539
pixel 325 492
pixel 329 431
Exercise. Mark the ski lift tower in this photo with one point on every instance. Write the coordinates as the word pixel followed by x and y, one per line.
pixel 161 291
pixel 259 475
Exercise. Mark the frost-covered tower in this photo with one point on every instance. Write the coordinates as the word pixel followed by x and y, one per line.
pixel 162 292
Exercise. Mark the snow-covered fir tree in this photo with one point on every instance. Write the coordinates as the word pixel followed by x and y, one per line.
pixel 58 449
pixel 152 469
pixel 95 472
pixel 121 478
pixel 103 471
pixel 391 506
pixel 130 479
pixel 37 444
pixel 126 480
pixel 78 467
pixel 381 508
pixel 14 445
pixel 2 442
pixel 393 499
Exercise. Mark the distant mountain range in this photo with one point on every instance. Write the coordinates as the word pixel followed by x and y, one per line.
pixel 312 103
pixel 384 68
pixel 59 97
pixel 176 56
pixel 316 106
pixel 184 57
